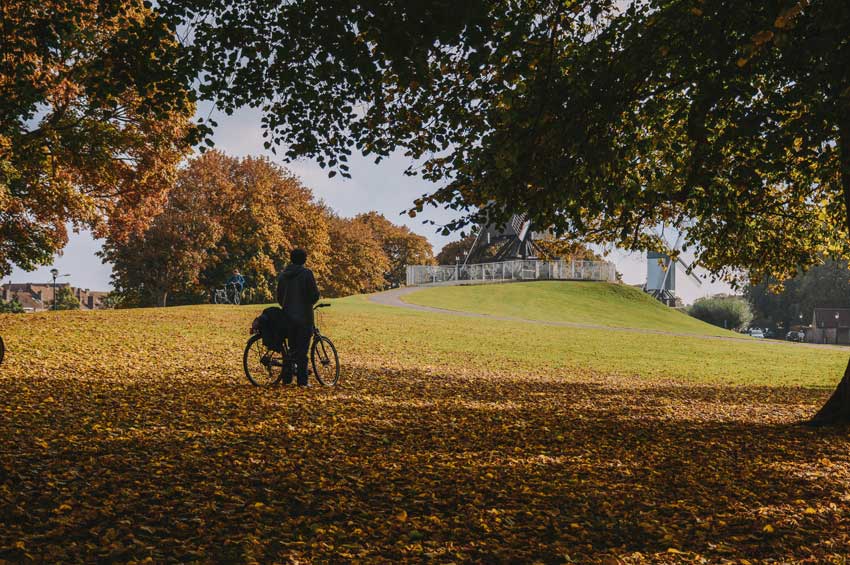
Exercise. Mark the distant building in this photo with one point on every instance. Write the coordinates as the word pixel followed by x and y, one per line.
pixel 830 325
pixel 36 297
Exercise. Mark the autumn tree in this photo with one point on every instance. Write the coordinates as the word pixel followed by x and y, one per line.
pixel 401 246
pixel 726 121
pixel 167 258
pixel 223 213
pixel 357 261
pixel 265 212
pixel 566 248
pixel 455 251
pixel 94 117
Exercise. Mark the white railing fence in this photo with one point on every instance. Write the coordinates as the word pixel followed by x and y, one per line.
pixel 518 270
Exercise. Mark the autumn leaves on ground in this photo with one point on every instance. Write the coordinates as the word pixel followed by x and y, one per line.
pixel 133 435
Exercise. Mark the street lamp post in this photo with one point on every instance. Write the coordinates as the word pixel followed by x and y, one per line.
pixel 55 273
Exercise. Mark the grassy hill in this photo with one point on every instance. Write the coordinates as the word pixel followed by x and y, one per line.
pixel 603 304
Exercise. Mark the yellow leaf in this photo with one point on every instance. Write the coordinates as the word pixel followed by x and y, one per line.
pixel 768 529
pixel 401 516
pixel 810 510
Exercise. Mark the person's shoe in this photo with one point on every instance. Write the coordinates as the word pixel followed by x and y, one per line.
pixel 305 385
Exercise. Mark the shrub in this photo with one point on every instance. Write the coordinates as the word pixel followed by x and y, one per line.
pixel 729 312
pixel 11 307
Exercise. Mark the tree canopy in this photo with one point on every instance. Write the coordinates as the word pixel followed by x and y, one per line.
pixel 225 213
pixel 359 263
pixel 401 246
pixel 94 117
pixel 824 286
pixel 725 120
pixel 729 312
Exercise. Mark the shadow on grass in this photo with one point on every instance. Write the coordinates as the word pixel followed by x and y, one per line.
pixel 408 467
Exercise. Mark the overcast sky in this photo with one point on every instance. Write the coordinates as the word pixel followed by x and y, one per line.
pixel 382 187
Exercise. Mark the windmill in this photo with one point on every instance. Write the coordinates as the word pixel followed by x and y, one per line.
pixel 661 275
pixel 514 241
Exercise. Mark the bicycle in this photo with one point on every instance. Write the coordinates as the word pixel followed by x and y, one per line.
pixel 264 366
pixel 230 294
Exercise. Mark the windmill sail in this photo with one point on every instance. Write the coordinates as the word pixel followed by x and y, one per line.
pixel 513 241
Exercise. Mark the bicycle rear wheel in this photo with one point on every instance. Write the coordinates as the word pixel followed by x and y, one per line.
pixel 325 361
pixel 263 366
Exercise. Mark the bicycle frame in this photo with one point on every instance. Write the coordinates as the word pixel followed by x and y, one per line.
pixel 327 356
pixel 222 295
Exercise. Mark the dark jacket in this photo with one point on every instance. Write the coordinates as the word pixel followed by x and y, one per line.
pixel 297 292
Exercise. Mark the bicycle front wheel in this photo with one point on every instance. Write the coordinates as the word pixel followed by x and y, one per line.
pixel 263 366
pixel 325 361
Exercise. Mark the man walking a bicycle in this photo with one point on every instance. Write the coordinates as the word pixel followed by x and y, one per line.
pixel 297 292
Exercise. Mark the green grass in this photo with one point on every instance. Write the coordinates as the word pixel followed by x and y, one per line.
pixel 448 343
pixel 604 304
pixel 209 339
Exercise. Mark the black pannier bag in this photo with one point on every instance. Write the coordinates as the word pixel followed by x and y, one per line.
pixel 273 328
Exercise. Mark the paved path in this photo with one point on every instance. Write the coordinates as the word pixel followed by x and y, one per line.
pixel 394 298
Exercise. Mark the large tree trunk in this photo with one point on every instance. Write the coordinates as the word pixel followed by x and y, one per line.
pixel 836 411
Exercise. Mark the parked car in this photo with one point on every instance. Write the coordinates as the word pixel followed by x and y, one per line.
pixel 757 333
pixel 795 336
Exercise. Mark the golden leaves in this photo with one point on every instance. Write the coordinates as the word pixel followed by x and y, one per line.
pixel 160 451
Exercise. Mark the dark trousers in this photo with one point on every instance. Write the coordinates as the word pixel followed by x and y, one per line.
pixel 298 341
